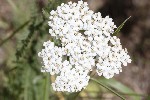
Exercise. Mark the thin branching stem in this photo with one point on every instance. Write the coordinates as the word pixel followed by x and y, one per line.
pixel 16 31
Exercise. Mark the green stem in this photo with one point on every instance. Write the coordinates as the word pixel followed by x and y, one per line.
pixel 108 88
pixel 26 91
pixel 46 87
pixel 73 96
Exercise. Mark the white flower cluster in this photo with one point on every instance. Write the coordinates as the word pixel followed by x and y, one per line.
pixel 86 43
pixel 71 79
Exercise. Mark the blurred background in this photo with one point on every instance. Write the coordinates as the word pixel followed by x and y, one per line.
pixel 23 29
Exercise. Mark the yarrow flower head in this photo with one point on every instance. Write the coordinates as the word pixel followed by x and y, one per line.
pixel 87 43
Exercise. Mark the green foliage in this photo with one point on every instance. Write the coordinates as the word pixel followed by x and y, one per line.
pixel 120 27
pixel 25 81
pixel 16 31
pixel 102 84
pixel 32 28
pixel 22 10
pixel 121 88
